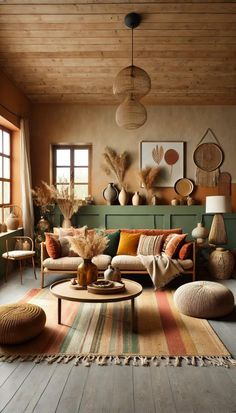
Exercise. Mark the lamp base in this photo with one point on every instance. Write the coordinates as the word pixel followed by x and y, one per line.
pixel 217 233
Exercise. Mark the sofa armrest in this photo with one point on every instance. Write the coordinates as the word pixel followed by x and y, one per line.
pixel 44 253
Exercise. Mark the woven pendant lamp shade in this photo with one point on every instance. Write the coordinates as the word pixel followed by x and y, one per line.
pixel 131 114
pixel 132 80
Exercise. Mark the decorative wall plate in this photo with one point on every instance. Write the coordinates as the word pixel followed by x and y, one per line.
pixel 208 156
pixel 184 187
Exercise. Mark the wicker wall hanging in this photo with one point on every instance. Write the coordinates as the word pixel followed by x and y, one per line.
pixel 208 157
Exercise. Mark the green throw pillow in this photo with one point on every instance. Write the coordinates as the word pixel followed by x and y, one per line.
pixel 114 239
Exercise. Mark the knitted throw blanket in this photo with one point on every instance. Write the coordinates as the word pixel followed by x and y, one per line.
pixel 161 268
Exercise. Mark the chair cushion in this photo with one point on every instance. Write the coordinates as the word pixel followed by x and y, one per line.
pixel 20 322
pixel 204 299
pixel 18 254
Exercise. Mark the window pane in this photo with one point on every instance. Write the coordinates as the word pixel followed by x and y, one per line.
pixel 81 174
pixel 6 168
pixel 6 143
pixel 1 133
pixel 81 157
pixel 6 214
pixel 81 191
pixel 1 167
pixel 6 192
pixel 63 175
pixel 63 157
pixel 1 186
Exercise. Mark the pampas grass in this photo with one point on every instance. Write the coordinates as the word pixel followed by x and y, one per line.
pixel 116 164
pixel 149 177
pixel 89 245
pixel 67 202
pixel 43 196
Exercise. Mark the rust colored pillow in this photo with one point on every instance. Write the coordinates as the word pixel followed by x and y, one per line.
pixel 53 246
pixel 186 251
pixel 128 244
pixel 173 243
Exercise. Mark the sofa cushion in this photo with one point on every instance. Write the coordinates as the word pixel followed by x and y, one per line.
pixel 186 264
pixel 64 263
pixel 72 263
pixel 114 238
pixel 158 231
pixel 150 244
pixel 128 244
pixel 127 262
pixel 102 261
pixel 173 243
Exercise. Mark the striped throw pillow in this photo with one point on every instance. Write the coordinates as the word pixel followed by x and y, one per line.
pixel 173 243
pixel 150 244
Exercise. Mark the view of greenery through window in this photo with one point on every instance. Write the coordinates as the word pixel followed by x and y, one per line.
pixel 71 165
pixel 5 171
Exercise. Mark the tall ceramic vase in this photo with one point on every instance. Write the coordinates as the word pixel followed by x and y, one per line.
pixel 110 194
pixel 123 197
pixel 87 273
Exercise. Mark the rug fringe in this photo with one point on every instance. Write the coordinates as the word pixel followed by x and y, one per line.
pixel 123 360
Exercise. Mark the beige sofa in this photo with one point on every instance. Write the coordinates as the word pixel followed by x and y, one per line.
pixel 128 264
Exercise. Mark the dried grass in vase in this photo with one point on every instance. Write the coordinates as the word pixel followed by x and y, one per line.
pixel 89 245
pixel 116 164
pixel 149 177
pixel 44 196
pixel 67 203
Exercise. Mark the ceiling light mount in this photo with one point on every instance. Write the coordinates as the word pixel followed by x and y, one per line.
pixel 132 20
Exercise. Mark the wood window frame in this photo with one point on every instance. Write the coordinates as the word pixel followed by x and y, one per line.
pixel 2 179
pixel 72 148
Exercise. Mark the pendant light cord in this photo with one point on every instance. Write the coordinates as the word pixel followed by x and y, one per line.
pixel 132 46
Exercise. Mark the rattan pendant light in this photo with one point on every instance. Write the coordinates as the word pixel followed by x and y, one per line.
pixel 131 84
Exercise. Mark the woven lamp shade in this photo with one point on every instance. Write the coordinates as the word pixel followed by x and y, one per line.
pixel 132 80
pixel 131 114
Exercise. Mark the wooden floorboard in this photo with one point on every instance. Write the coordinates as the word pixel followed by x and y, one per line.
pixel 65 388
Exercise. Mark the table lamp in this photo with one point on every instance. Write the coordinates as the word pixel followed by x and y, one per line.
pixel 218 205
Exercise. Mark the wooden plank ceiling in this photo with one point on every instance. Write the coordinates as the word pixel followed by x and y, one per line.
pixel 71 50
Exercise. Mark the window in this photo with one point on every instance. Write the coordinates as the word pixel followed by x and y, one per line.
pixel 72 168
pixel 5 170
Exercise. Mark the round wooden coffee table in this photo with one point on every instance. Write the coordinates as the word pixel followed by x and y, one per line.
pixel 63 291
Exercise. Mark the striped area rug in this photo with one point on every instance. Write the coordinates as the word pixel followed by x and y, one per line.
pixel 103 332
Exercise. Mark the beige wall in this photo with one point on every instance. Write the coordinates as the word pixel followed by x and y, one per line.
pixel 13 103
pixel 65 123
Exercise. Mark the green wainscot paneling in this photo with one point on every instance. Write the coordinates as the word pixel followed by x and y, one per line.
pixel 148 216
pixel 3 237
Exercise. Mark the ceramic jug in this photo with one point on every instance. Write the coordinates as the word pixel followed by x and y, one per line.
pixel 110 193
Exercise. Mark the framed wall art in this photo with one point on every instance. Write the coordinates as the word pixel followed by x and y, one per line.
pixel 168 156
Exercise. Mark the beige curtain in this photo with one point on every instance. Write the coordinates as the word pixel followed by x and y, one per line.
pixel 25 171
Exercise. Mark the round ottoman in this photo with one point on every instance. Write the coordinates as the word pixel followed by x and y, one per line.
pixel 20 322
pixel 204 299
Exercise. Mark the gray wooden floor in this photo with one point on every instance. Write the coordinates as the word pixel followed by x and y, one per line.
pixel 42 388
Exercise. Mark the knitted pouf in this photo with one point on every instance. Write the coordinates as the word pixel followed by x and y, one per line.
pixel 20 322
pixel 204 299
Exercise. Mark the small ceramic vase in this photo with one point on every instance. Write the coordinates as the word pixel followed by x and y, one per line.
pixel 174 202
pixel 108 273
pixel 154 200
pixel 136 199
pixel 12 221
pixel 123 197
pixel 200 233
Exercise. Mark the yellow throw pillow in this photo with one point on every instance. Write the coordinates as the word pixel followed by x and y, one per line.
pixel 128 244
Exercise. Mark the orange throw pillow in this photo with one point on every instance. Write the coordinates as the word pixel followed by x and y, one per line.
pixel 53 246
pixel 173 243
pixel 186 251
pixel 128 244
